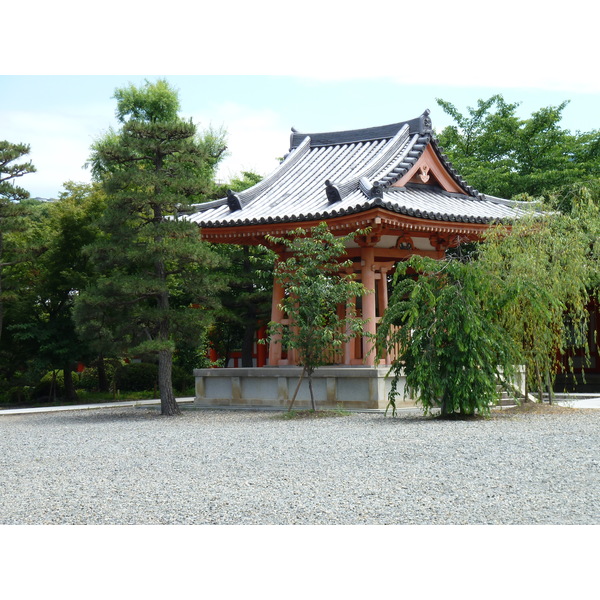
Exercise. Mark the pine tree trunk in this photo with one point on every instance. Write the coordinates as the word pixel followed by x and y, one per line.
pixel 70 393
pixel 248 345
pixel 102 377
pixel 168 404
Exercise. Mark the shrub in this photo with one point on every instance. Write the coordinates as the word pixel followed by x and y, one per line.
pixel 50 385
pixel 183 379
pixel 137 377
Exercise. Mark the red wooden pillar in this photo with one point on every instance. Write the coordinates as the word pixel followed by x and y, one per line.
pixel 368 303
pixel 276 316
pixel 261 349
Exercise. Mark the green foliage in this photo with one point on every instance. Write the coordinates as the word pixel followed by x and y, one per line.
pixel 89 379
pixel 13 219
pixel 153 103
pixel 245 302
pixel 238 184
pixel 143 377
pixel 51 387
pixel 441 325
pixel 581 202
pixel 460 326
pixel 41 319
pixel 541 273
pixel 136 377
pixel 315 285
pixel 504 155
pixel 155 280
pixel 9 153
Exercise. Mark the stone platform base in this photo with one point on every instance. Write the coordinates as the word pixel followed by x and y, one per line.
pixel 273 387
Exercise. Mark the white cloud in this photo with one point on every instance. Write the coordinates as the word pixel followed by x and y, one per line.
pixel 59 141
pixel 58 149
pixel 253 138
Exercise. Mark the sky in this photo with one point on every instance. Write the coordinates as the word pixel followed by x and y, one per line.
pixel 263 72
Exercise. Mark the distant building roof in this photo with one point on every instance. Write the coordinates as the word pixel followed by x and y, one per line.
pixel 398 167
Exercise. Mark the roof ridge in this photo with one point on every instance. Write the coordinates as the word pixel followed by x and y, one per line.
pixel 420 124
pixel 291 159
pixel 377 162
pixel 404 162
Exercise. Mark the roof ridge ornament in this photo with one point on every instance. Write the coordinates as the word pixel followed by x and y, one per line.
pixel 426 124
pixel 233 201
pixel 333 193
pixel 376 191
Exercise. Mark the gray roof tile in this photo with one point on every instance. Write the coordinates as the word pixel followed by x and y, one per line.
pixel 353 162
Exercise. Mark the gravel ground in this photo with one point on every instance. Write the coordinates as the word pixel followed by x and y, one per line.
pixel 132 466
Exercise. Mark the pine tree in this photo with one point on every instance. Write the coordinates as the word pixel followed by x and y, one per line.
pixel 152 269
pixel 11 212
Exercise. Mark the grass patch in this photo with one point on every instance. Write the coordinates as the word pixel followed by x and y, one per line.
pixel 313 414
pixel 537 408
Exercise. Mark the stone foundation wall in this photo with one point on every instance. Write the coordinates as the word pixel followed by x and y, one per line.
pixel 273 387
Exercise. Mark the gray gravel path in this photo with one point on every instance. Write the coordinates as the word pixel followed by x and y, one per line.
pixel 132 466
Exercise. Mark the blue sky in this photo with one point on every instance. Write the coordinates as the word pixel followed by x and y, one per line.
pixel 257 77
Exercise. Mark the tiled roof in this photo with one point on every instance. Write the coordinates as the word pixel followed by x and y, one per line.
pixel 339 173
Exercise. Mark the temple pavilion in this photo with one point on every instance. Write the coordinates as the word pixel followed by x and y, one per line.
pixel 393 179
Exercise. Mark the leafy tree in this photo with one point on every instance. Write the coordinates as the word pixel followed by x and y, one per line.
pixel 12 213
pixel 504 155
pixel 581 202
pixel 9 192
pixel 315 286
pixel 542 271
pixel 43 321
pixel 245 302
pixel 441 325
pixel 154 280
pixel 247 299
pixel 520 297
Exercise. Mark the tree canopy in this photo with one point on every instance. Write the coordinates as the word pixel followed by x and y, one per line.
pixel 504 155
pixel 153 274
pixel 12 212
pixel 441 325
pixel 315 287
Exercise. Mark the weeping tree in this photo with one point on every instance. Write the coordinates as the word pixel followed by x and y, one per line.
pixel 316 284
pixel 519 298
pixel 154 277
pixel 440 325
pixel 542 271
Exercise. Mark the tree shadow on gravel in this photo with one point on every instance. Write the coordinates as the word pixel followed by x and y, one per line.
pixel 97 416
